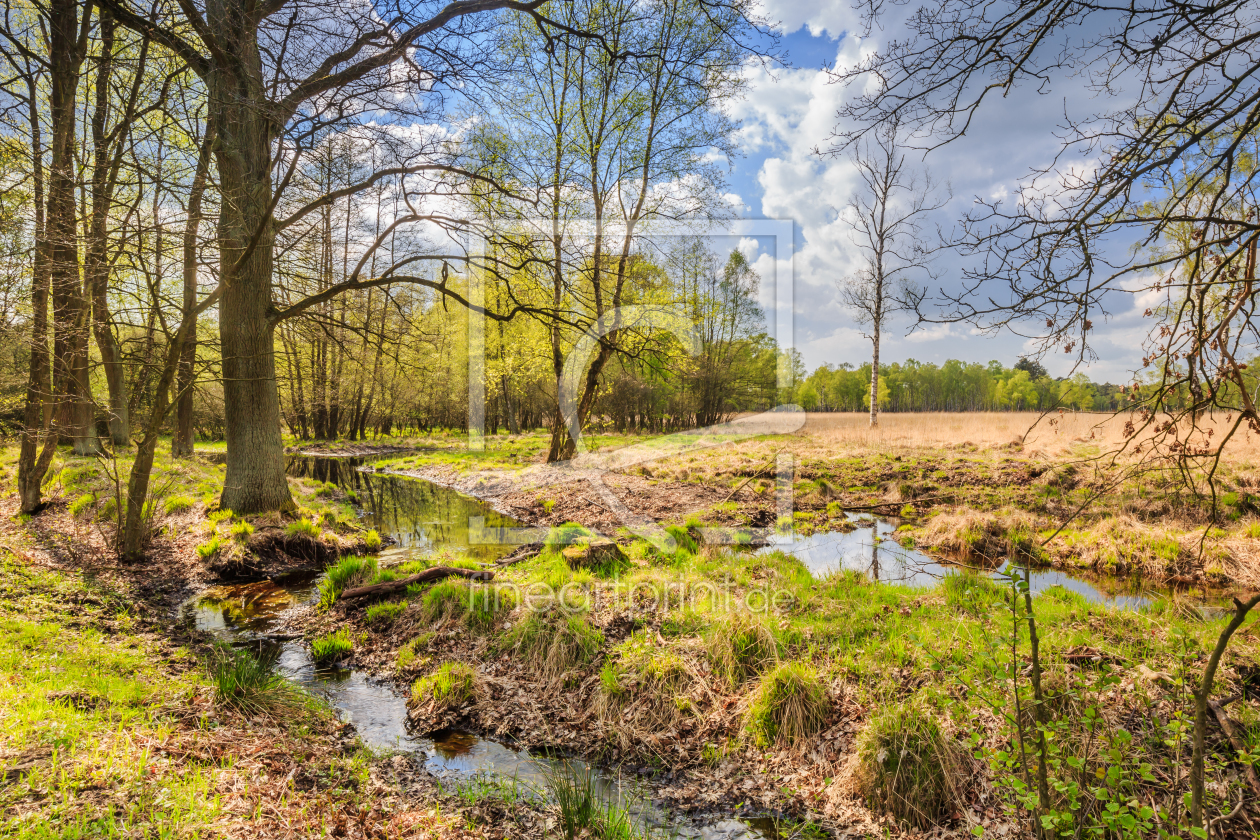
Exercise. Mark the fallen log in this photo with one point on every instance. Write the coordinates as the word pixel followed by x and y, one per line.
pixel 427 576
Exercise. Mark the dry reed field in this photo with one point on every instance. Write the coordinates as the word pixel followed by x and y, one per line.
pixel 1052 435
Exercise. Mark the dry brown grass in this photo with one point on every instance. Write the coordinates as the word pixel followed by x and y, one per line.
pixel 990 430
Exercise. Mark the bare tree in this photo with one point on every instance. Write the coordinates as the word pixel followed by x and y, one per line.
pixel 887 218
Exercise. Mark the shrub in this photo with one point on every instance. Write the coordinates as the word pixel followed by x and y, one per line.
pixel 242 531
pixel 385 612
pixel 250 683
pixel 452 685
pixel 789 704
pixel 332 647
pixel 740 647
pixel 82 505
pixel 552 642
pixel 348 573
pixel 303 528
pixel 908 767
pixel 177 504
pixel 210 548
pixel 372 541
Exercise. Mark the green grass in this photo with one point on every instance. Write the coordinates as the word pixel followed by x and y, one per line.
pixel 909 768
pixel 789 705
pixel 552 642
pixel 241 531
pixel 82 505
pixel 585 809
pixel 348 573
pixel 249 683
pixel 303 528
pixel 372 541
pixel 210 548
pixel 332 647
pixel 177 504
pixel 409 654
pixel 452 685
pixel 386 612
pixel 740 647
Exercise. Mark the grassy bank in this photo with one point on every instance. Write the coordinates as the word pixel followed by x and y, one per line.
pixel 751 682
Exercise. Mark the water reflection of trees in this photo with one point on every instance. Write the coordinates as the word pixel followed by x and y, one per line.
pixel 418 514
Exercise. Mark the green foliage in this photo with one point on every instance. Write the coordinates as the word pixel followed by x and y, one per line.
pixel 210 548
pixel 82 505
pixel 250 683
pixel 177 504
pixel 386 612
pixel 790 704
pixel 452 685
pixel 220 515
pixel 584 812
pixel 348 573
pixel 908 767
pixel 332 647
pixel 740 647
pixel 242 531
pixel 372 541
pixel 303 528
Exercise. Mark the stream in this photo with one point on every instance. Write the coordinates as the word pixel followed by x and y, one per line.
pixel 872 548
pixel 421 517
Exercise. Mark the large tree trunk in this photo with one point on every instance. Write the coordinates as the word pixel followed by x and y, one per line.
pixel 182 441
pixel 70 310
pixel 255 480
pixel 96 258
pixel 37 415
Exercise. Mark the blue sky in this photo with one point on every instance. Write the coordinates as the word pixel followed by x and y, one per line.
pixel 786 117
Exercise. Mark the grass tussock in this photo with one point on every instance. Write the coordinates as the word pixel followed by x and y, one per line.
pixel 451 686
pixel 250 684
pixel 552 642
pixel 177 504
pixel 348 573
pixel 972 594
pixel 984 538
pixel 583 811
pixel 644 687
pixel 740 647
pixel 908 767
pixel 789 705
pixel 332 647
pixel 385 613
pixel 303 528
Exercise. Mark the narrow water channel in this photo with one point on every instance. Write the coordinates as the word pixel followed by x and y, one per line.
pixel 872 548
pixel 420 517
